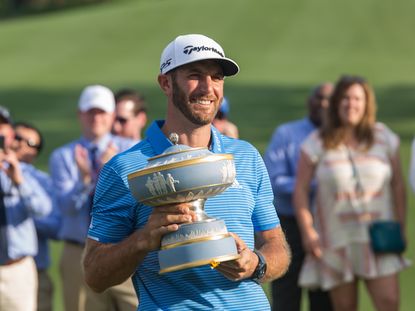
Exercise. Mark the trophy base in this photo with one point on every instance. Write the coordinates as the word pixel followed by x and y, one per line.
pixel 217 249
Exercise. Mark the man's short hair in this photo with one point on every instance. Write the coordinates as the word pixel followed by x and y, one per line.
pixel 134 96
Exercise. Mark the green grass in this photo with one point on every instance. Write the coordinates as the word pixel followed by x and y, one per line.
pixel 284 47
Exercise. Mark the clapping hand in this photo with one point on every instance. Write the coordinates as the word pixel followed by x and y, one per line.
pixel 83 163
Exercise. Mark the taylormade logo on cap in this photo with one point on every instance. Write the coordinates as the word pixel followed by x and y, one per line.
pixel 189 49
pixel 192 48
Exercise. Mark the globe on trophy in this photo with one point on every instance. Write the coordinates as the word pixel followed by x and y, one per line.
pixel 185 174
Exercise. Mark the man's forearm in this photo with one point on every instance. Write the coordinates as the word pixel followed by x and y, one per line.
pixel 276 252
pixel 106 265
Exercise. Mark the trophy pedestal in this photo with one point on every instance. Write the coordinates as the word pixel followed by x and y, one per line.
pixel 196 244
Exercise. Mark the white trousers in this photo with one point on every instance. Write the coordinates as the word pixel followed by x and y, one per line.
pixel 18 286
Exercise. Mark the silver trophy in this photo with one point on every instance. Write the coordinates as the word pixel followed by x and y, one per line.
pixel 185 174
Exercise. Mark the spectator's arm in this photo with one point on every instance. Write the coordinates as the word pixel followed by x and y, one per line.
pixel 398 190
pixel 301 200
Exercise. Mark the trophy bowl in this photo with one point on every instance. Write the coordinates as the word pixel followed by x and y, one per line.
pixel 185 174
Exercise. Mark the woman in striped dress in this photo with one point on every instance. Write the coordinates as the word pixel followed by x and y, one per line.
pixel 355 161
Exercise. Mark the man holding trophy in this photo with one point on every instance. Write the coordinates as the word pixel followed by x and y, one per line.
pixel 162 238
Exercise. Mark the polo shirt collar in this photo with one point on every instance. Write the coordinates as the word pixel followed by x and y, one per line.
pixel 160 142
pixel 216 144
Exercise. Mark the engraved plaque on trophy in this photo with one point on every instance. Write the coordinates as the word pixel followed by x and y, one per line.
pixel 185 174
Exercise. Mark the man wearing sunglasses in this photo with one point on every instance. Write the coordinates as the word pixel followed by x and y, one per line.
pixel 22 198
pixel 28 142
pixel 130 114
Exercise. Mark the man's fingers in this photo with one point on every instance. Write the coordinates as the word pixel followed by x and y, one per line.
pixel 183 207
pixel 163 216
pixel 233 274
pixel 160 231
pixel 164 219
pixel 240 244
pixel 180 209
pixel 178 218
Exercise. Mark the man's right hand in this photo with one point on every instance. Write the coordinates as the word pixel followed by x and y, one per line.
pixel 108 264
pixel 13 169
pixel 165 219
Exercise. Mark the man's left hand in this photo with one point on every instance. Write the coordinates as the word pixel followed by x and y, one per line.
pixel 242 268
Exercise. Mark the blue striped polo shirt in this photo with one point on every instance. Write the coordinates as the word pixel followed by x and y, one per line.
pixel 246 206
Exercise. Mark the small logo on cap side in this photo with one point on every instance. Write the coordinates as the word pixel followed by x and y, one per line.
pixel 167 63
pixel 190 48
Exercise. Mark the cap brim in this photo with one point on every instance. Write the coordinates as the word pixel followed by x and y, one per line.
pixel 230 68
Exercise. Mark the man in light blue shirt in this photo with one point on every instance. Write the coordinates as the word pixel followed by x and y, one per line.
pixel 125 235
pixel 22 198
pixel 74 169
pixel 281 160
pixel 28 143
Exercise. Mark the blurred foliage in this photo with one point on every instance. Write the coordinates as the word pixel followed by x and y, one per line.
pixel 13 8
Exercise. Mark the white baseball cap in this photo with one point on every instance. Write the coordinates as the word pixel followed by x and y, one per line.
pixel 97 96
pixel 192 48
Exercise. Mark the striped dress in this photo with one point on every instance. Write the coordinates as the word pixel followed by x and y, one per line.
pixel 246 207
pixel 341 215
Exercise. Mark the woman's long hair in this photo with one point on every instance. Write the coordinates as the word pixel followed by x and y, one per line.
pixel 333 131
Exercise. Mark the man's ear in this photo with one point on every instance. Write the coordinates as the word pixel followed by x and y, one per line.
pixel 165 83
pixel 142 117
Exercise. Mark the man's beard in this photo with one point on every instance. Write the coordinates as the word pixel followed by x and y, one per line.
pixel 180 101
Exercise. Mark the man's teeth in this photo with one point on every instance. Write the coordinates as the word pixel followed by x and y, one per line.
pixel 203 102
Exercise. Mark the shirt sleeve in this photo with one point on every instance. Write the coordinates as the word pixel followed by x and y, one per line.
pixel 48 226
pixel 113 210
pixel 34 197
pixel 277 162
pixel 71 193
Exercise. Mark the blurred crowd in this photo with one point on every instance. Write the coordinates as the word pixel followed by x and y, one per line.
pixel 333 172
pixel 36 207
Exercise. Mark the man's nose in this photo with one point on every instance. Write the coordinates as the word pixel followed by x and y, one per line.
pixel 206 83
